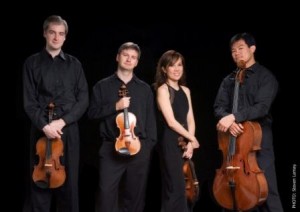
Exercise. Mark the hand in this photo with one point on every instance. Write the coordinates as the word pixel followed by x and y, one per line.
pixel 236 129
pixel 58 125
pixel 123 103
pixel 51 132
pixel 195 143
pixel 188 153
pixel 225 122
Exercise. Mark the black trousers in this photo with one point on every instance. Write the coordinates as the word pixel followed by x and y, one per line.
pixel 66 196
pixel 122 179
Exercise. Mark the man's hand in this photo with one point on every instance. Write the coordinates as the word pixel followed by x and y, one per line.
pixel 225 122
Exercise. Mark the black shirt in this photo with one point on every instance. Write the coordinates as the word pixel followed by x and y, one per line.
pixel 103 106
pixel 256 95
pixel 60 80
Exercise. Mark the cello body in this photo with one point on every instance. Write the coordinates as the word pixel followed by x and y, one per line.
pixel 240 184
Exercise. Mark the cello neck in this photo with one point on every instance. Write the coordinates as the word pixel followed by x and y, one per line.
pixel 239 78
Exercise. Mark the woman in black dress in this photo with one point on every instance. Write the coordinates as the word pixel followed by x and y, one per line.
pixel 174 103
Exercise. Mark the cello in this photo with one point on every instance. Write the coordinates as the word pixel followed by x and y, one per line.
pixel 49 173
pixel 240 184
pixel 191 180
pixel 127 143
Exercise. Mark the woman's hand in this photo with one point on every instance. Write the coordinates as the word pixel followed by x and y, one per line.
pixel 188 153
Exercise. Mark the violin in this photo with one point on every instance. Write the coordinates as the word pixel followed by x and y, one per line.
pixel 240 184
pixel 191 181
pixel 49 173
pixel 127 144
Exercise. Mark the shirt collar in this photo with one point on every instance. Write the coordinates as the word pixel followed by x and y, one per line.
pixel 60 55
pixel 134 78
pixel 249 71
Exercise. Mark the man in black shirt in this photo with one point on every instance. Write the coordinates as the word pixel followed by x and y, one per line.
pixel 52 77
pixel 257 90
pixel 125 107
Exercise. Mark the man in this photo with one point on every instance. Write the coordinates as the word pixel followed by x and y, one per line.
pixel 55 98
pixel 256 93
pixel 123 170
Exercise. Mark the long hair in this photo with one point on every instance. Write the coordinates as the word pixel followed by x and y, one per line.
pixel 167 59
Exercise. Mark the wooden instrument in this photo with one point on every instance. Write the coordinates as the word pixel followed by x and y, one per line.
pixel 191 181
pixel 127 143
pixel 240 184
pixel 49 173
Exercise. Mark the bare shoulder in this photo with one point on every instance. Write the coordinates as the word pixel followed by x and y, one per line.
pixel 163 89
pixel 185 89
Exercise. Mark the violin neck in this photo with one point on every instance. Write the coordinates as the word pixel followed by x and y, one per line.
pixel 48 140
pixel 48 151
pixel 126 119
pixel 51 111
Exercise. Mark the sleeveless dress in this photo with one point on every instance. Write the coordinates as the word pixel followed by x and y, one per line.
pixel 173 183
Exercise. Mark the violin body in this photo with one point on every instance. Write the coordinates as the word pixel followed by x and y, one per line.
pixel 191 181
pixel 127 140
pixel 127 144
pixel 240 184
pixel 190 177
pixel 49 173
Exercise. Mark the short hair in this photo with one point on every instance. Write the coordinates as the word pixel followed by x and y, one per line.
pixel 130 45
pixel 57 20
pixel 248 38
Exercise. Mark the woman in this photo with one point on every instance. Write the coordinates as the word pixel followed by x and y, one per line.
pixel 175 105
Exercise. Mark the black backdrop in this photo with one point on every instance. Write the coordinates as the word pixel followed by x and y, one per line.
pixel 94 40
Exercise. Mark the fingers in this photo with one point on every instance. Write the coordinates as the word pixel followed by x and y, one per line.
pixel 127 101
pixel 53 134
pixel 236 129
pixel 60 132
pixel 188 154
pixel 221 128
pixel 124 102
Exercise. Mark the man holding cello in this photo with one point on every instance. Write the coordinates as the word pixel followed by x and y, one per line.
pixel 255 97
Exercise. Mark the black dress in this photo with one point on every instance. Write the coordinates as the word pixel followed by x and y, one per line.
pixel 173 183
